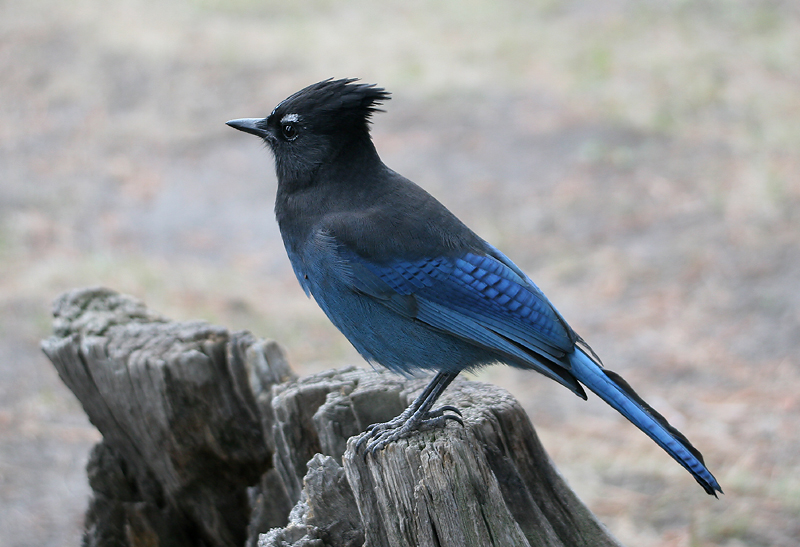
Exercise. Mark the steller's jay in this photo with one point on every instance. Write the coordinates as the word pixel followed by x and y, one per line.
pixel 407 282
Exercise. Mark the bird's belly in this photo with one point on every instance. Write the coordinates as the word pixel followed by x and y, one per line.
pixel 399 343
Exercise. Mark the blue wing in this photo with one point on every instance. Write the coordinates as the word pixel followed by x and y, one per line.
pixel 483 299
pixel 484 292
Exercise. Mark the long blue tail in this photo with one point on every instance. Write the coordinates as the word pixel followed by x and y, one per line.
pixel 610 387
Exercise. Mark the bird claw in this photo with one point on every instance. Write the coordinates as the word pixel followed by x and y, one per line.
pixel 377 429
pixel 378 436
pixel 441 411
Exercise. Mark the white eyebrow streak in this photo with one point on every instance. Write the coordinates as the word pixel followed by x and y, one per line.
pixel 290 118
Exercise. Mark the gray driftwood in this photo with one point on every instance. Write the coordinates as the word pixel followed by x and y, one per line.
pixel 209 439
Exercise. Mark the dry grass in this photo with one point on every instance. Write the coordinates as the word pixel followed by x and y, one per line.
pixel 638 159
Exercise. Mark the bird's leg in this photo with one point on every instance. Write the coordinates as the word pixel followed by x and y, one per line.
pixel 411 409
pixel 396 422
pixel 417 417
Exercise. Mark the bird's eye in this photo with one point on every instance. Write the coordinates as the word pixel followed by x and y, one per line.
pixel 289 131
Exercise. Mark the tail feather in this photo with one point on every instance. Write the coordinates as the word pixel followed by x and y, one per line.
pixel 615 391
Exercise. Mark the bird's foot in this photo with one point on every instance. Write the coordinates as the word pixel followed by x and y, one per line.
pixel 377 436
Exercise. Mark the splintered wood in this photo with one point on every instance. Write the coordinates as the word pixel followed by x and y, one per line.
pixel 209 438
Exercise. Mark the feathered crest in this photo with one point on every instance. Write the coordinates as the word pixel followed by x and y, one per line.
pixel 332 105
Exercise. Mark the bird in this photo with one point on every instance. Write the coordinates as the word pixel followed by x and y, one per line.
pixel 409 284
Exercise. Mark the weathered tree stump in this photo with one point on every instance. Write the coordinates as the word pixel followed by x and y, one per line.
pixel 209 439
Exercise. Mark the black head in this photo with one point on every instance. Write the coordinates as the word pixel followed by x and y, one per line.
pixel 310 127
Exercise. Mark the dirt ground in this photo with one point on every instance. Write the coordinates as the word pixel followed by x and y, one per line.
pixel 638 159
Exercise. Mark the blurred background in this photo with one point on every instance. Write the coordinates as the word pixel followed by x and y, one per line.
pixel 638 159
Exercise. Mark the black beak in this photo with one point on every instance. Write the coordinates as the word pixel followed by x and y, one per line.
pixel 249 125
